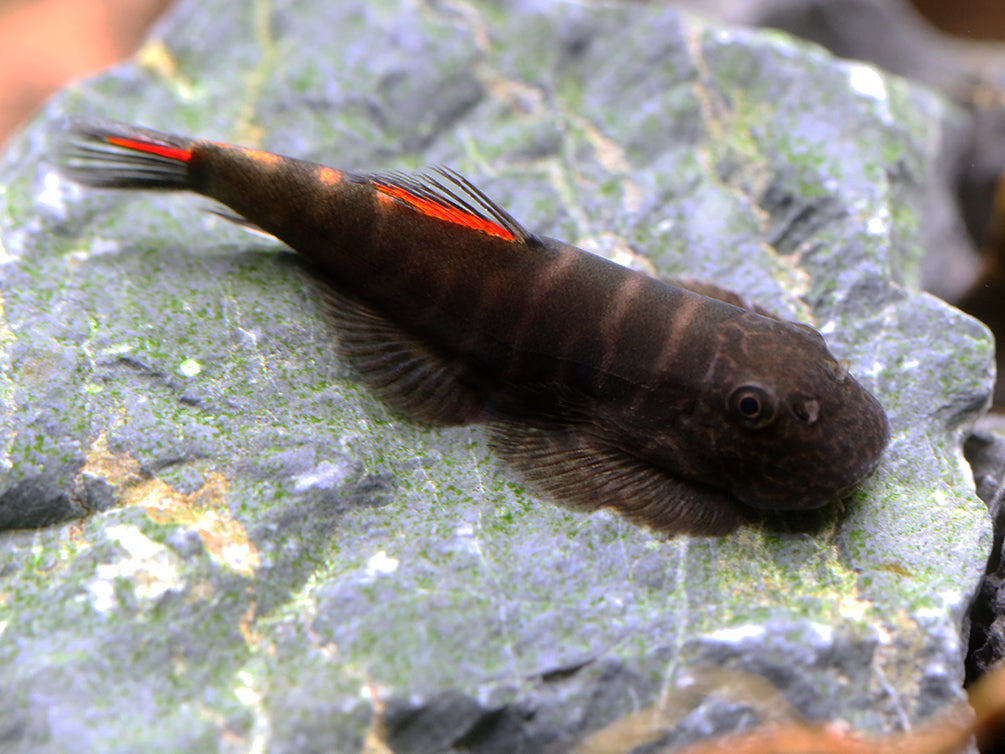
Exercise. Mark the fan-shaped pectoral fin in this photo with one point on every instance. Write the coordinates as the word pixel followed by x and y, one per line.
pixel 406 373
pixel 576 466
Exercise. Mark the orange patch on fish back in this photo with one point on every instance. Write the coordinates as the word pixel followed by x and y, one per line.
pixel 328 176
pixel 258 155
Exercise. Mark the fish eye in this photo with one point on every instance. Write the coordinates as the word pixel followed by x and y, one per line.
pixel 752 405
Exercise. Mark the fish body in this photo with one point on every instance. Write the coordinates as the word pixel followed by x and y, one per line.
pixel 600 386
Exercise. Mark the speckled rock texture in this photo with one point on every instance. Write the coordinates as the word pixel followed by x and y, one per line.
pixel 216 540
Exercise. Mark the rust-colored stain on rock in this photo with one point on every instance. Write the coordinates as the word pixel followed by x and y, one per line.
pixel 204 511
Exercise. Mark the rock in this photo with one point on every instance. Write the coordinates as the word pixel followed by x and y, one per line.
pixel 893 35
pixel 985 450
pixel 269 559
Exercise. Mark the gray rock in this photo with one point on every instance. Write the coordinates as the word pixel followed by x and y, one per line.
pixel 270 559
pixel 985 451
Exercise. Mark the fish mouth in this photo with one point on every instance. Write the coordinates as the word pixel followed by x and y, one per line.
pixel 879 430
pixel 775 489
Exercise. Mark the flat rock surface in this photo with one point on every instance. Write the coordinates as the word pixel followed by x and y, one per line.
pixel 215 539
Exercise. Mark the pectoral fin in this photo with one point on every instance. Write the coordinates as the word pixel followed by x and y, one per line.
pixel 408 375
pixel 579 468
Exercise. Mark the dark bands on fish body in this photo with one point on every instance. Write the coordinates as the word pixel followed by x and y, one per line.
pixel 602 387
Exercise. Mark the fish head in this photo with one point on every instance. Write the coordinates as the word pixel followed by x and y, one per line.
pixel 790 428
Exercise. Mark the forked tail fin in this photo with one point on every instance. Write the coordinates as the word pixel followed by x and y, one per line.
pixel 107 154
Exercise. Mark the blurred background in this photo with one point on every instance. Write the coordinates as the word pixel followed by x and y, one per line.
pixel 45 43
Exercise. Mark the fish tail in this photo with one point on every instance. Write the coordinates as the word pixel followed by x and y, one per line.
pixel 107 154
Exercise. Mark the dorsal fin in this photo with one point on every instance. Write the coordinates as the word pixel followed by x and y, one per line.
pixel 711 290
pixel 446 194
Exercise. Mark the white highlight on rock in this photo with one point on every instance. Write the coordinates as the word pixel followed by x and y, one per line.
pixel 51 195
pixel 879 223
pixel 738 634
pixel 190 368
pixel 866 80
pixel 102 596
pixel 245 691
pixel 101 246
pixel 117 349
pixel 241 557
pixel 824 633
pixel 381 564
pixel 150 568
pixel 327 475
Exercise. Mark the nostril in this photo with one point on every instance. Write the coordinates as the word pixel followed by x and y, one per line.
pixel 807 410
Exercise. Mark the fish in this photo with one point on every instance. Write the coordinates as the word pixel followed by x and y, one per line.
pixel 598 386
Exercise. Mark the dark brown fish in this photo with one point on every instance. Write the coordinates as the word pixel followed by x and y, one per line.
pixel 601 386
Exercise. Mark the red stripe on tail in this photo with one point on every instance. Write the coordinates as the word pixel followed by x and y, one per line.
pixel 161 150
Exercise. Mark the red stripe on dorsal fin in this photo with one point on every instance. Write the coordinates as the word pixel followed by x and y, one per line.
pixel 449 196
